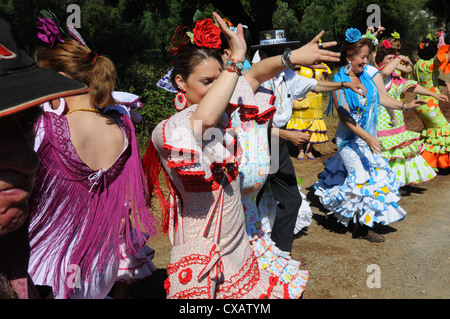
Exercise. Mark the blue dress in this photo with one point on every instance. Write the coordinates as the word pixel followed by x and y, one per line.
pixel 356 184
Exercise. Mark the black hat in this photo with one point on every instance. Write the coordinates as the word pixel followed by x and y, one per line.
pixel 23 83
pixel 273 38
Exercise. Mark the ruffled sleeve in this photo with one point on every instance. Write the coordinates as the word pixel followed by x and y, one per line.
pixel 190 157
pixel 257 106
pixel 443 58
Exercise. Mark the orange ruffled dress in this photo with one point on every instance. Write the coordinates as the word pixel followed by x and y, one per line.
pixel 436 134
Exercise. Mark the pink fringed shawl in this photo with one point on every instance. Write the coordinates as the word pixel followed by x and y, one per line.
pixel 72 205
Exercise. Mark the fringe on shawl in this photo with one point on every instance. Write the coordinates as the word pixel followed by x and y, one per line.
pixel 65 213
pixel 152 169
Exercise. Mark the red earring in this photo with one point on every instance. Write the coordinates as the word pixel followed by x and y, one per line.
pixel 180 101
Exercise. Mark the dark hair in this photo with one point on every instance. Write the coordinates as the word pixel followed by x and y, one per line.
pixel 429 50
pixel 382 52
pixel 350 49
pixel 189 57
pixel 79 63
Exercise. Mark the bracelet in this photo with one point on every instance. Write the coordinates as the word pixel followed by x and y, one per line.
pixel 286 61
pixel 342 85
pixel 233 65
pixel 403 107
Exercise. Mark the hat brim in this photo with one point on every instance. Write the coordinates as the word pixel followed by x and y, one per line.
pixel 22 90
pixel 275 45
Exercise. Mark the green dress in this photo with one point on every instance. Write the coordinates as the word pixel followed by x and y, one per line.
pixel 436 132
pixel 402 148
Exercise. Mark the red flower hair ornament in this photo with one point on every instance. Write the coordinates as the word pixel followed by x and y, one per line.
pixel 206 33
pixel 386 44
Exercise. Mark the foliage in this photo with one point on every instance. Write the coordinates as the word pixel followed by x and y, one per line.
pixel 136 34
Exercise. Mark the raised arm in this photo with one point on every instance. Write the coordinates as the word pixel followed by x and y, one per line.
pixel 214 103
pixel 307 55
pixel 389 102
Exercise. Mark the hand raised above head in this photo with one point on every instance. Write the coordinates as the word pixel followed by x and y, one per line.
pixel 236 41
pixel 313 52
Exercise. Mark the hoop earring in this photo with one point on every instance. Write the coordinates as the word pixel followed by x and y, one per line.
pixel 180 101
pixel 348 68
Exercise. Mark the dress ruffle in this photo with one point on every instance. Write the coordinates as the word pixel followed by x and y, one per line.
pixel 188 156
pixel 402 148
pixel 132 267
pixel 257 106
pixel 253 171
pixel 412 171
pixel 442 57
pixel 370 197
pixel 307 117
pixel 404 145
pixel 437 140
pixel 270 258
pixel 268 205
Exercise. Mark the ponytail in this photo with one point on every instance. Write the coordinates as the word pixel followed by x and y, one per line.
pixel 80 63
pixel 102 81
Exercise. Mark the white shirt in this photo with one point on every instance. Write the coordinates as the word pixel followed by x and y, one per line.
pixel 286 86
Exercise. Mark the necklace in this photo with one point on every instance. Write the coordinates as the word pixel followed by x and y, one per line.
pixel 359 107
pixel 87 110
pixel 280 94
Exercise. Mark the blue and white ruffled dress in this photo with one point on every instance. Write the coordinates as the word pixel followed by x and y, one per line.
pixel 356 184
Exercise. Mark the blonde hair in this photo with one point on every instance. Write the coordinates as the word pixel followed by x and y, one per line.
pixel 80 63
pixel 396 43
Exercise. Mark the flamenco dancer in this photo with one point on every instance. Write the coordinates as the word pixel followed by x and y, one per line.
pixel 218 263
pixel 357 185
pixel 402 148
pixel 436 132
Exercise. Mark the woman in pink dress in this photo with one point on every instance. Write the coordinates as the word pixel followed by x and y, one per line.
pixel 202 170
pixel 89 209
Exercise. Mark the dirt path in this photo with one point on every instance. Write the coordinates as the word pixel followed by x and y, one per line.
pixel 413 262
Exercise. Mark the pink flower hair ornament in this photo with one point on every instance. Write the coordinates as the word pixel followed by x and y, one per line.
pixel 50 32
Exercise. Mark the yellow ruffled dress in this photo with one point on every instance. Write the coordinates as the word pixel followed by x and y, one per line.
pixel 307 113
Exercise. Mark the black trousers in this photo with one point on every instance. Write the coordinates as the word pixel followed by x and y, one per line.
pixel 285 191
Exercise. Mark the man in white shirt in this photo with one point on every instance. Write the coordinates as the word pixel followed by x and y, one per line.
pixel 288 86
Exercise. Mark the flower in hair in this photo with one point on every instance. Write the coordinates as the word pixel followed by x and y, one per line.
pixel 395 35
pixel 352 35
pixel 206 34
pixel 50 32
pixel 386 44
